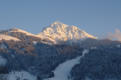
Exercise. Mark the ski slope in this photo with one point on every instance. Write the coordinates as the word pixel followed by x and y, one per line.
pixel 62 72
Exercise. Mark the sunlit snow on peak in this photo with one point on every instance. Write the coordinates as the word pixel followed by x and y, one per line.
pixel 62 32
pixel 21 31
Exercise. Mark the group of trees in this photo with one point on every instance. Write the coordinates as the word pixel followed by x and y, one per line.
pixel 99 64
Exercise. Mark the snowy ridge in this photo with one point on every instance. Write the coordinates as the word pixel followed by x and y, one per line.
pixel 62 32
pixel 16 30
pixel 7 37
pixel 21 31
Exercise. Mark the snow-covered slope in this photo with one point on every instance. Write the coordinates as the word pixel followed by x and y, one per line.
pixel 7 37
pixel 20 75
pixel 62 32
pixel 62 72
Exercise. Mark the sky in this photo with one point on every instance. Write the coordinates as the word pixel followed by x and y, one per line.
pixel 97 17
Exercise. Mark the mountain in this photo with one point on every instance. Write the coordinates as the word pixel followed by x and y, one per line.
pixel 49 55
pixel 60 32
pixel 54 34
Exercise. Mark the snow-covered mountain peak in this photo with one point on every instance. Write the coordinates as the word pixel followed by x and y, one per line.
pixel 55 26
pixel 58 24
pixel 62 32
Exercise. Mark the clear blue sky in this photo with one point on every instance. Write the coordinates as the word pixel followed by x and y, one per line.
pixel 94 16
